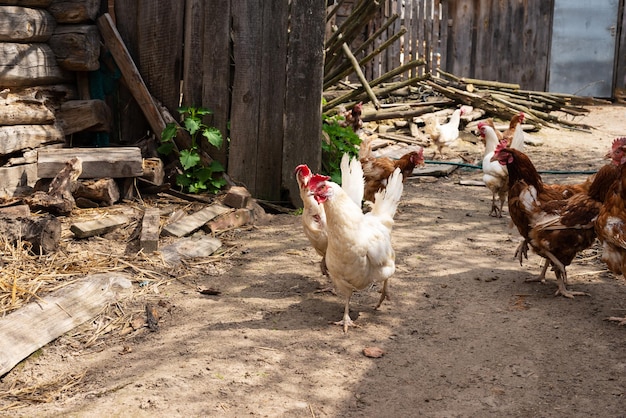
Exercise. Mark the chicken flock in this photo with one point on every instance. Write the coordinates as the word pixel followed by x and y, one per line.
pixel 350 225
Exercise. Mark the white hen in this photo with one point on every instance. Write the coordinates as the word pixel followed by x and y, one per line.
pixel 495 175
pixel 359 250
pixel 313 215
pixel 447 134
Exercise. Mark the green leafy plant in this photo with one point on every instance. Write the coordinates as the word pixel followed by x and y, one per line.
pixel 195 177
pixel 341 140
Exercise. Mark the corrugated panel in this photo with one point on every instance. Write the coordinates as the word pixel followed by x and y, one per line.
pixel 583 47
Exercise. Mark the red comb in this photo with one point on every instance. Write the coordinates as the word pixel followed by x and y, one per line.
pixel 501 145
pixel 303 169
pixel 618 142
pixel 316 179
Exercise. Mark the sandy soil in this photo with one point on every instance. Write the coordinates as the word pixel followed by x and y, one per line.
pixel 463 336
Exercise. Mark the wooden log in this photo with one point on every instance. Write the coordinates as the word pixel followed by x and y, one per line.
pixel 25 112
pixel 22 211
pixel 193 222
pixel 36 324
pixel 396 114
pixel 30 65
pixel 50 95
pixel 84 115
pixel 14 180
pixel 42 232
pixel 27 3
pixel 104 191
pixel 74 11
pixel 58 199
pixel 28 157
pixel 76 47
pixel 150 227
pixel 18 137
pixel 115 162
pixel 98 226
pixel 25 24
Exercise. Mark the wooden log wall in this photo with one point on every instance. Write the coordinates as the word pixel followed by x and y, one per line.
pixel 256 65
pixel 46 46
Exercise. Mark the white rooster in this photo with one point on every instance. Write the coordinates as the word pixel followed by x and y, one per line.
pixel 359 250
pixel 313 215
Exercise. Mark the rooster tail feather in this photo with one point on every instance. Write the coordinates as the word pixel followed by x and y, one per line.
pixel 518 138
pixel 352 181
pixel 386 201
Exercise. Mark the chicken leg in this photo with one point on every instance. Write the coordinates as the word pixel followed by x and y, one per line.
pixel 346 321
pixel 383 295
pixel 561 279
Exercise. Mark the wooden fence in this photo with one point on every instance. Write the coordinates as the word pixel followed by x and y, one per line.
pixel 256 65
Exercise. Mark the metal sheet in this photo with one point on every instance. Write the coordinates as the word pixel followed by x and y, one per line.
pixel 583 47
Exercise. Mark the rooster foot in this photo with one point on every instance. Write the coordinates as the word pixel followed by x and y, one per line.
pixel 495 212
pixel 522 251
pixel 622 321
pixel 346 322
pixel 327 289
pixel 569 294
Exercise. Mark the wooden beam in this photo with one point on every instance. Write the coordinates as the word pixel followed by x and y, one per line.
pixel 115 162
pixel 113 41
pixel 193 222
pixel 150 227
pixel 36 324
pixel 98 226
pixel 18 137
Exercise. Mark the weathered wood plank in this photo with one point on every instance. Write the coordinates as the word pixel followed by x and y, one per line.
pixel 272 99
pixel 115 162
pixel 134 81
pixel 217 70
pixel 42 232
pixel 74 11
pixel 81 115
pixel 76 47
pixel 244 128
pixel 160 55
pixel 194 44
pixel 304 78
pixel 98 226
pixel 36 324
pixel 25 24
pixel 18 137
pixel 30 65
pixel 15 179
pixel 150 226
pixel 193 222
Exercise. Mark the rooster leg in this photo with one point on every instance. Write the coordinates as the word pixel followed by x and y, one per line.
pixel 346 321
pixel 522 251
pixel 542 276
pixel 494 208
pixel 561 279
pixel 383 295
pixel 323 266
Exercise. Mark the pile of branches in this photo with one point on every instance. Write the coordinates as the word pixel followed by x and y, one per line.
pixel 502 100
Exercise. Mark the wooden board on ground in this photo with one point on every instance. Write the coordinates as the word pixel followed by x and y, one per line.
pixel 190 223
pixel 35 325
pixel 115 162
pixel 438 170
pixel 98 226
pixel 150 225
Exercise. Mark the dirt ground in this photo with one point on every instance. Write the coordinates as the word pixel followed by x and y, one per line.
pixel 463 336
